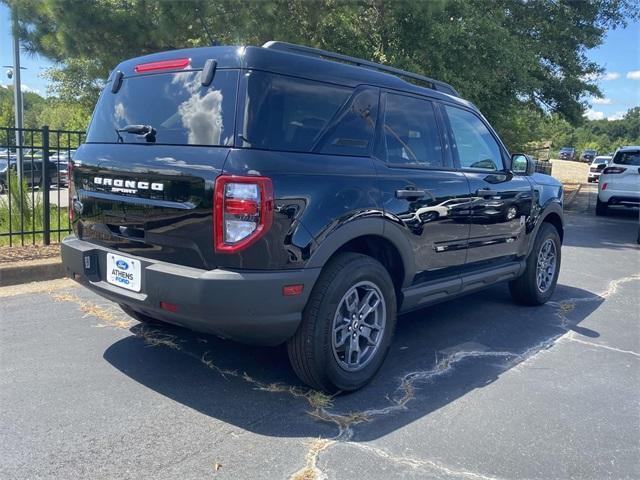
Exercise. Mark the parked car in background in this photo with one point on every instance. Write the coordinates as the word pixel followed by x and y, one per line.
pixel 32 173
pixel 567 153
pixel 596 167
pixel 588 156
pixel 619 183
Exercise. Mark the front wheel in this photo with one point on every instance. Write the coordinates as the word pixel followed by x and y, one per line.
pixel 538 282
pixel 347 325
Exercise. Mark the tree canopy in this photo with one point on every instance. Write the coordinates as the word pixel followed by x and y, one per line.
pixel 515 59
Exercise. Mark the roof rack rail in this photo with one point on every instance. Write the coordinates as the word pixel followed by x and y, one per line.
pixel 316 52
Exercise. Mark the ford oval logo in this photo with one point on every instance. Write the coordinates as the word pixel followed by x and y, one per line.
pixel 122 265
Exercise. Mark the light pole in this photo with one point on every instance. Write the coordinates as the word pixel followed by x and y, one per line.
pixel 17 93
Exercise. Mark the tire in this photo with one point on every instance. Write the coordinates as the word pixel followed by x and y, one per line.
pixel 312 351
pixel 141 317
pixel 526 289
pixel 3 189
pixel 601 208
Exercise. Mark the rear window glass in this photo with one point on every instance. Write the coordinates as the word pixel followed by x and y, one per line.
pixel 292 114
pixel 176 105
pixel 411 134
pixel 627 158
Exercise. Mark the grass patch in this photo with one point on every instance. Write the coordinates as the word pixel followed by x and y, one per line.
pixel 24 211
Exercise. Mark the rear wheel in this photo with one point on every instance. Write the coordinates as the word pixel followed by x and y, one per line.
pixel 347 325
pixel 538 282
pixel 601 208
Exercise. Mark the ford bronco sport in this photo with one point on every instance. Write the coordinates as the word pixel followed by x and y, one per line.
pixel 287 194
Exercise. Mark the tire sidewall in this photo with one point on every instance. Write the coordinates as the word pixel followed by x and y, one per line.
pixel 365 269
pixel 546 232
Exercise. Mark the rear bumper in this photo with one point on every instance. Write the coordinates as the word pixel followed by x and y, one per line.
pixel 619 197
pixel 247 306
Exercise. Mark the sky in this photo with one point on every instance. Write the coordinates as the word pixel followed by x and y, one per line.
pixel 619 55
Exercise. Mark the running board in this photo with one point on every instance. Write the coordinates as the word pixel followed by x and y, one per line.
pixel 436 291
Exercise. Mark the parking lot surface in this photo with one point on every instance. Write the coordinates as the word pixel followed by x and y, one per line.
pixel 475 388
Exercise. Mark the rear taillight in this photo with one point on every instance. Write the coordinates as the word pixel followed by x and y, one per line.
pixel 243 211
pixel 610 170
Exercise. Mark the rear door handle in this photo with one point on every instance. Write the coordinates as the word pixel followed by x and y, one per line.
pixel 485 192
pixel 410 193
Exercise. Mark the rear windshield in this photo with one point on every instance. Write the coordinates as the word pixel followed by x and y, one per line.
pixel 627 158
pixel 176 105
pixel 566 149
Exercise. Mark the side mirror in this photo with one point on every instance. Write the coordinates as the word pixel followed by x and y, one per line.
pixel 522 164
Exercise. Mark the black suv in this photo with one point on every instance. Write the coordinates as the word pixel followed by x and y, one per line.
pixel 567 153
pixel 287 194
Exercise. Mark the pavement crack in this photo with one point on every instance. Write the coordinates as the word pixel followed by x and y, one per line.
pixel 108 314
pixel 420 464
pixel 572 338
pixel 310 471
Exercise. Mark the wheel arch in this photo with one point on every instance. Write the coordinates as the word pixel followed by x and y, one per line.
pixel 375 237
pixel 552 213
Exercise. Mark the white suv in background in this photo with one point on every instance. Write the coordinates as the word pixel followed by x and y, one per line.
pixel 596 167
pixel 619 183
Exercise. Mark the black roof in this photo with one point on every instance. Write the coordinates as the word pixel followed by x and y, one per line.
pixel 306 63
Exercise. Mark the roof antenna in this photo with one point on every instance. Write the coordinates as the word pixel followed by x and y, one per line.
pixel 204 27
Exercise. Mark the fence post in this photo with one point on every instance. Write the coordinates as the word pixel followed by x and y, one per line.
pixel 46 184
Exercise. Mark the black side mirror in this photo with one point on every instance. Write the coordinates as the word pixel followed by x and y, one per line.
pixel 522 164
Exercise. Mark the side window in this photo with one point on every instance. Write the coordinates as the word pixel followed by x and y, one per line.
pixel 351 130
pixel 287 113
pixel 476 147
pixel 410 132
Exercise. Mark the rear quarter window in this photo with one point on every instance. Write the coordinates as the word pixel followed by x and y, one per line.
pixel 627 158
pixel 182 111
pixel 293 114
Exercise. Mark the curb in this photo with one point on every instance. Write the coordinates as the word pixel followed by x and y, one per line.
pixel 31 271
pixel 569 201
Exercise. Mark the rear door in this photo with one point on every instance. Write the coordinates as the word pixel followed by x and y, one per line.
pixel 502 201
pixel 153 197
pixel 420 187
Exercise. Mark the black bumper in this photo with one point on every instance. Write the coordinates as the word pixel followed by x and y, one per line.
pixel 247 306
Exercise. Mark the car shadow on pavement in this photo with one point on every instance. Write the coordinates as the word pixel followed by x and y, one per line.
pixel 439 354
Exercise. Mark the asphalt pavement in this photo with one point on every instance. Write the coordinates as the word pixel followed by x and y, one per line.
pixel 475 388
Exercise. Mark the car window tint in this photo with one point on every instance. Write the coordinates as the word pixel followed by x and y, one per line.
pixel 627 158
pixel 288 113
pixel 351 130
pixel 476 147
pixel 411 133
pixel 182 111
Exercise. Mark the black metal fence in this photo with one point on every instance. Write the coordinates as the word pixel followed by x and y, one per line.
pixel 34 180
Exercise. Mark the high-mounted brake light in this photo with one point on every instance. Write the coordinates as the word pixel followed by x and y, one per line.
pixel 173 64
pixel 243 211
pixel 610 170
